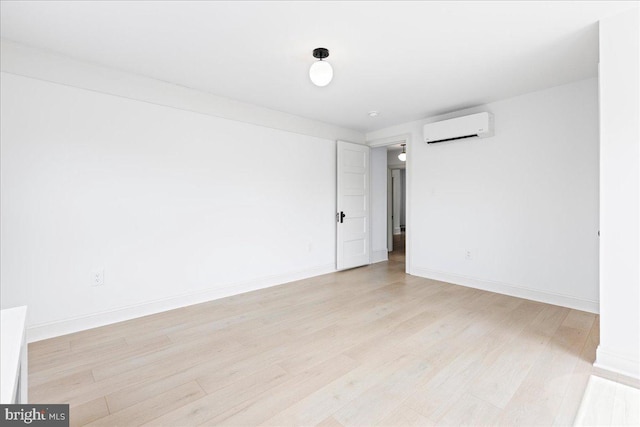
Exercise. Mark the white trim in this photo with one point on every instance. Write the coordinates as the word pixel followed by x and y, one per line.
pixel 408 204
pixel 369 224
pixel 379 256
pixel 389 230
pixel 509 289
pixel 391 140
pixel 397 166
pixel 67 326
pixel 397 230
pixel 39 64
pixel 613 362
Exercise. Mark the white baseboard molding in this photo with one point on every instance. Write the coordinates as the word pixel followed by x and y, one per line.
pixel 397 230
pixel 512 290
pixel 616 363
pixel 379 256
pixel 67 326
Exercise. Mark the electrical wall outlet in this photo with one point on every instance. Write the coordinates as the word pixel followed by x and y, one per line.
pixel 467 255
pixel 97 277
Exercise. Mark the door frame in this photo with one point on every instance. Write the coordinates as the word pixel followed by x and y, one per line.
pixel 405 138
pixel 389 209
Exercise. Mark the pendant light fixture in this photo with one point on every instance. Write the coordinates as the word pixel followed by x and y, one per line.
pixel 321 71
pixel 403 156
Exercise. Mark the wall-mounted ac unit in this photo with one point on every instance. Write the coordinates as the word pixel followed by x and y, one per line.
pixel 474 126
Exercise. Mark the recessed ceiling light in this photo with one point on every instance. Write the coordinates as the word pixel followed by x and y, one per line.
pixel 373 114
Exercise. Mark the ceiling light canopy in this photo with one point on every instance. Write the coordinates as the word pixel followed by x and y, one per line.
pixel 321 72
pixel 403 156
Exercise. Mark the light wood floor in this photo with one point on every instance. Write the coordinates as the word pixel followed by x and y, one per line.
pixel 370 346
pixel 609 403
pixel 398 253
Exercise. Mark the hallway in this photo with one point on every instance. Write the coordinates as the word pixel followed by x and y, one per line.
pixel 399 244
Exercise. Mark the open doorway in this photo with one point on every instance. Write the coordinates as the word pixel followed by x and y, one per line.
pixel 396 204
pixel 390 191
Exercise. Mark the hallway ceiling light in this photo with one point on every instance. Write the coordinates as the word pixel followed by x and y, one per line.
pixel 321 71
pixel 403 156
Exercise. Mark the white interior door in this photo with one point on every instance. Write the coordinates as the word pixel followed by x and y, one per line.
pixel 353 205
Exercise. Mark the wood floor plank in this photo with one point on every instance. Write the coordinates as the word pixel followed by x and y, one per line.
pixel 234 395
pixel 73 363
pixel 153 407
pixel 550 377
pixel 47 349
pixel 150 372
pixel 87 412
pixel 284 395
pixel 371 406
pixel 406 416
pixel 464 353
pixel 329 422
pixel 468 410
pixel 498 383
pixel 195 350
pixel 41 391
pixel 339 393
pixel 62 361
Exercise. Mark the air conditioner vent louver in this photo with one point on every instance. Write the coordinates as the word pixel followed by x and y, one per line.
pixel 453 139
pixel 476 125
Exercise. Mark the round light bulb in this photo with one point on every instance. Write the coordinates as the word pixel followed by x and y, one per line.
pixel 321 73
pixel 402 157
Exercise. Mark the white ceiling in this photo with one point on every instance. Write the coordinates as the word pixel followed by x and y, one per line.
pixel 407 60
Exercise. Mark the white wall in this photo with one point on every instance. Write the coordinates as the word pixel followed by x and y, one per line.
pixel 619 349
pixel 146 191
pixel 378 204
pixel 524 203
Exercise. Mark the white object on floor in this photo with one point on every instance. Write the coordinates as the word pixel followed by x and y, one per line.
pixel 13 355
pixel 608 403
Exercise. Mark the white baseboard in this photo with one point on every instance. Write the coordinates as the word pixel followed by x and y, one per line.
pixel 80 323
pixel 397 230
pixel 512 290
pixel 379 256
pixel 616 363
